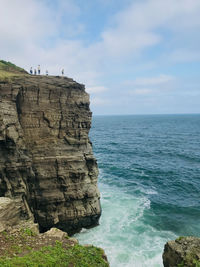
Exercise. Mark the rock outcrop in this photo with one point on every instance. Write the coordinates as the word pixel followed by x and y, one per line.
pixel 46 160
pixel 183 252
pixel 9 213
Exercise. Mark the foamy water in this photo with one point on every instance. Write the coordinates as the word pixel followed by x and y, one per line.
pixel 123 234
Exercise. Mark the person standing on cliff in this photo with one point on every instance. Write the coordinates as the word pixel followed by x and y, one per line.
pixel 62 72
pixel 35 71
pixel 31 70
pixel 38 69
pixel 47 73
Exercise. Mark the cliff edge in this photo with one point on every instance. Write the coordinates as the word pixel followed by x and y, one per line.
pixel 46 161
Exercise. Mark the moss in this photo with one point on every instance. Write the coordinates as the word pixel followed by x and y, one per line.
pixel 180 238
pixel 76 256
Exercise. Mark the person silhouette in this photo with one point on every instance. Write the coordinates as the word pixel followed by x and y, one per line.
pixel 35 71
pixel 47 73
pixel 62 72
pixel 31 70
pixel 38 69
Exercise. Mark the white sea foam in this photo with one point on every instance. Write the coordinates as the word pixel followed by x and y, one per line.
pixel 123 234
pixel 149 191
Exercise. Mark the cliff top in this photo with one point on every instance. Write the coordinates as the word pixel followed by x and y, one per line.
pixel 8 69
pixel 10 72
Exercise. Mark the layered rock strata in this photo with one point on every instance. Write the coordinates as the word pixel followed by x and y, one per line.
pixel 46 160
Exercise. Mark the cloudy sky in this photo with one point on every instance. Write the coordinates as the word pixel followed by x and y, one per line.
pixel 134 56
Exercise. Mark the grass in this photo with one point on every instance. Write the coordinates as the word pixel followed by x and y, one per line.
pixel 27 232
pixel 24 247
pixel 8 66
pixel 50 256
pixel 9 70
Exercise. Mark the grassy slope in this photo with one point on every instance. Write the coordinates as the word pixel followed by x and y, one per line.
pixel 50 256
pixel 8 70
pixel 25 248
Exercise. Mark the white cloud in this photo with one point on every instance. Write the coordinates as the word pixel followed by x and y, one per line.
pixel 98 101
pixel 96 89
pixel 32 33
pixel 151 85
pixel 28 20
pixel 184 55
pixel 120 43
pixel 141 91
pixel 139 26
pixel 131 30
pixel 161 79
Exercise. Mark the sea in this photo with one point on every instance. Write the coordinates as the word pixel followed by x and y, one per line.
pixel 149 179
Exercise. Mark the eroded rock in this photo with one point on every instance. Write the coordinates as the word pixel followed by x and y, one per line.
pixel 46 158
pixel 9 213
pixel 57 233
pixel 183 252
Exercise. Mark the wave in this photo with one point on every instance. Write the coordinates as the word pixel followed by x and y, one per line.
pixel 128 241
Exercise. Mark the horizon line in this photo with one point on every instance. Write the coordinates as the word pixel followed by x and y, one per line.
pixel 146 114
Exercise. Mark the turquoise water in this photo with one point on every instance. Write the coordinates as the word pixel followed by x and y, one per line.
pixel 150 185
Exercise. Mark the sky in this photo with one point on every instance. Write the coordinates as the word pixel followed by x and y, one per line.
pixel 134 56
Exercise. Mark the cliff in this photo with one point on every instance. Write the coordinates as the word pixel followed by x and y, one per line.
pixel 46 161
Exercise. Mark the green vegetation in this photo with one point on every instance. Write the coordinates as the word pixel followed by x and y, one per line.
pixel 24 247
pixel 27 232
pixel 189 261
pixel 49 256
pixel 195 263
pixel 8 70
pixel 6 65
pixel 180 238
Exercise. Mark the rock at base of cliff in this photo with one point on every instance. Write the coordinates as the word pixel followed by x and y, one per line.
pixel 183 252
pixel 57 233
pixel 9 213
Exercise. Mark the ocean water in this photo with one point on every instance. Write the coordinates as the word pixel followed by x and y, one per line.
pixel 150 185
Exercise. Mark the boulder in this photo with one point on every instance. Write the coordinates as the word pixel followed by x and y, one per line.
pixel 9 213
pixel 183 252
pixel 58 234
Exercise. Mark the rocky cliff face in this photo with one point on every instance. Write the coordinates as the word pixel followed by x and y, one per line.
pixel 46 160
pixel 183 252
